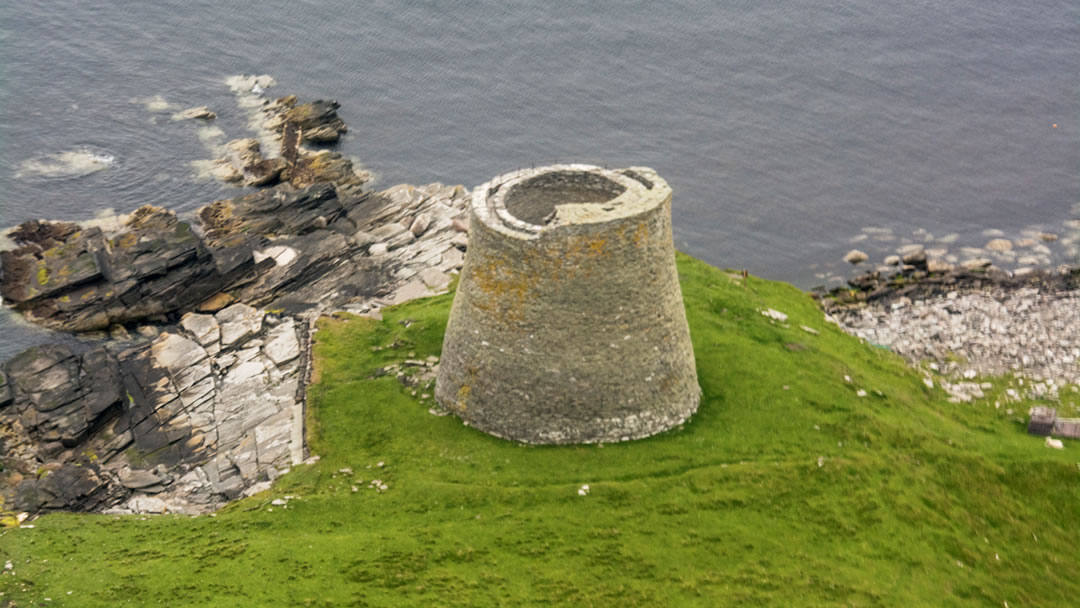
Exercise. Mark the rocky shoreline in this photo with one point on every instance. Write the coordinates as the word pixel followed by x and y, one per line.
pixel 972 321
pixel 190 392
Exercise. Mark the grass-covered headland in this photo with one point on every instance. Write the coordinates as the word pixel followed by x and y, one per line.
pixel 787 488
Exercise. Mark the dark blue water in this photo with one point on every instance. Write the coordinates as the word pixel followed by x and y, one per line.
pixel 784 128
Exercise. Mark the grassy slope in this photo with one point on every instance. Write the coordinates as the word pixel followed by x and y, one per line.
pixel 918 502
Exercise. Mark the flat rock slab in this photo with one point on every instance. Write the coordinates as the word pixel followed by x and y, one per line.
pixel 238 322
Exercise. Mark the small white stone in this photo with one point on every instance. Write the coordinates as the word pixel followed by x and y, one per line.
pixel 774 314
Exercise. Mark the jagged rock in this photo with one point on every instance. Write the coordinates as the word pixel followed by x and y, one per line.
pixel 70 487
pixel 200 112
pixel 276 211
pixel 244 157
pixel 147 504
pixel 318 121
pixel 218 422
pixel 157 266
pixel 58 395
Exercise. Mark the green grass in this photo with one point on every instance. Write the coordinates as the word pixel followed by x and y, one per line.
pixel 917 501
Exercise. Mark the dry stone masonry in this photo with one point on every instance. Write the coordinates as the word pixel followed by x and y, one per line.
pixel 568 324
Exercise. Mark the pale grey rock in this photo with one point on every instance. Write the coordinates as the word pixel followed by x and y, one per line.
pixel 146 504
pixel 138 479
pixel 434 279
pixel 1000 245
pixel 203 327
pixel 363 239
pixel 420 224
pixel 238 322
pixel 176 353
pixel 976 264
pixel 855 257
pixel 892 260
pixel 936 265
pixel 410 291
pixel 199 112
pixel 282 345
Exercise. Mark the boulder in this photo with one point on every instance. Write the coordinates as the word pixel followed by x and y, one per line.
pixel 199 112
pixel 855 257
pixel 137 479
pixel 975 264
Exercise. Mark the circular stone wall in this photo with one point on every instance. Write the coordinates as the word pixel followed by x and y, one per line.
pixel 568 323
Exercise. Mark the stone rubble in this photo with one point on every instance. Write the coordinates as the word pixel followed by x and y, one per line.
pixel 1032 332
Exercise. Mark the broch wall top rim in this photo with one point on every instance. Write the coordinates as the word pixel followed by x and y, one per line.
pixel 489 199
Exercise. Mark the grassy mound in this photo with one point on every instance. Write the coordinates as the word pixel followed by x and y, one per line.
pixel 787 488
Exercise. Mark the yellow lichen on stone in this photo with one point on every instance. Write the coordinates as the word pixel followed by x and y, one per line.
pixel 125 240
pixel 42 274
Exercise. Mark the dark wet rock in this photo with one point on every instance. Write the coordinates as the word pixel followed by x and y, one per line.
pixel 59 396
pixel 318 121
pixel 156 266
pixel 73 487
pixel 275 211
pixel 922 281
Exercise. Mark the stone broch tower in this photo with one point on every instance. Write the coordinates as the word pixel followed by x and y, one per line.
pixel 568 324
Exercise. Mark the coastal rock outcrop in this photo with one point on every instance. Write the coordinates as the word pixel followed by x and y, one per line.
pixel 198 396
pixel 195 417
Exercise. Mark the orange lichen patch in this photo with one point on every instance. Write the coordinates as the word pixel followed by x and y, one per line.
pixel 462 398
pixel 505 289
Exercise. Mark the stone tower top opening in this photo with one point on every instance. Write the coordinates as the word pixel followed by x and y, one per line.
pixel 523 204
pixel 535 200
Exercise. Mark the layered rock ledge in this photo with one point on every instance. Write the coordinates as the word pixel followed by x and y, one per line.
pixel 189 389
